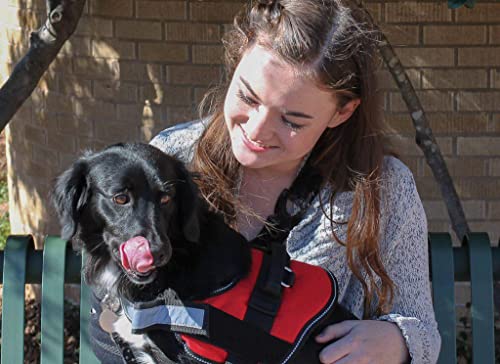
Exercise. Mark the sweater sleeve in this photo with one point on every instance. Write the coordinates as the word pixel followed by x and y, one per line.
pixel 179 140
pixel 407 262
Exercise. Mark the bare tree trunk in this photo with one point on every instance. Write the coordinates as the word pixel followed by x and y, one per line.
pixel 424 137
pixel 45 43
pixel 425 140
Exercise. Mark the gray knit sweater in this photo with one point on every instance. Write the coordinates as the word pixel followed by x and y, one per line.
pixel 403 245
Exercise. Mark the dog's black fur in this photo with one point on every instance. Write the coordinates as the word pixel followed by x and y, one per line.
pixel 194 251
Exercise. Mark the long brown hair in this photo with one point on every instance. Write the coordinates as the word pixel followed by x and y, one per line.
pixel 336 45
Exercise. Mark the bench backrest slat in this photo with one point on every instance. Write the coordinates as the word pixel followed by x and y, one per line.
pixel 14 277
pixel 443 292
pixel 52 312
pixel 482 312
pixel 86 354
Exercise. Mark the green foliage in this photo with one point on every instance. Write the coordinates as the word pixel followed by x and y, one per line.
pixel 454 4
pixel 4 219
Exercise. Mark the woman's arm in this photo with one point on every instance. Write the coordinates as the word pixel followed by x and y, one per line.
pixel 404 250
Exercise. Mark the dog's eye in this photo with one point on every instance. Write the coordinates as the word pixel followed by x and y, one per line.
pixel 165 199
pixel 121 199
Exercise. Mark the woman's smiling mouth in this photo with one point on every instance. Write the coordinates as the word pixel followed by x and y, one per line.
pixel 253 145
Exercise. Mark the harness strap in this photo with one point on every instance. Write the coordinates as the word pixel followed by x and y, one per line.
pixel 265 300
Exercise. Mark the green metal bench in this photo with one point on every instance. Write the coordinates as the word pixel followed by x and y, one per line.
pixel 58 264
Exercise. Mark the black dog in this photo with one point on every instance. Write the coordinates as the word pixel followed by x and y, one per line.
pixel 136 213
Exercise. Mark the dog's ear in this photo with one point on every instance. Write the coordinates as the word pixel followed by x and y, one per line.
pixel 187 200
pixel 70 195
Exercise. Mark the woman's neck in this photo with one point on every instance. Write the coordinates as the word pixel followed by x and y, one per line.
pixel 259 192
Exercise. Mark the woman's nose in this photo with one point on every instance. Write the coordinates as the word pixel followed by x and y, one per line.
pixel 259 125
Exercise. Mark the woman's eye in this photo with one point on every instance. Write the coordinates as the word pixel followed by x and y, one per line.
pixel 165 199
pixel 121 199
pixel 247 100
pixel 291 125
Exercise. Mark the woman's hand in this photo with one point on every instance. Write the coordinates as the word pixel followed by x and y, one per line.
pixel 365 341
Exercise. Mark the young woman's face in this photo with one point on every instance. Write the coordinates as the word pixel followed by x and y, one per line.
pixel 275 116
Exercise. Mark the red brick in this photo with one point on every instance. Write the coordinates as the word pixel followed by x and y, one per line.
pixel 75 46
pixel 495 34
pixel 478 146
pixel 114 8
pixel 97 68
pixel 482 13
pixel 110 132
pixel 478 188
pixel 76 86
pixel 473 209
pixel 166 94
pixel 479 56
pixel 455 35
pixel 416 12
pixel 112 48
pixel 94 26
pixel 454 78
pixel 402 34
pixel 494 210
pixel 426 57
pixel 115 91
pixel 35 135
pixel 214 11
pixel 74 126
pixel 430 100
pixel 478 101
pixel 135 71
pixel 63 142
pixel 136 112
pixel 462 167
pixel 45 156
pixel 95 110
pixel 136 29
pixel 163 52
pixel 495 167
pixel 164 10
pixel 193 75
pixel 192 32
pixel 495 78
pixel 385 81
pixel 207 54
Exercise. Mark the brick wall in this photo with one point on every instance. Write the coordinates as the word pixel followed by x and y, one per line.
pixel 135 66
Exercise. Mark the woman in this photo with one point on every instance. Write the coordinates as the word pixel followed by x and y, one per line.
pixel 301 87
pixel 300 92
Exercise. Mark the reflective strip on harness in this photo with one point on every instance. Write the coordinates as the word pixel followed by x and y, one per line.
pixel 184 316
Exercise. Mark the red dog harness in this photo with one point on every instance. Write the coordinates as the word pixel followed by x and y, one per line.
pixel 266 316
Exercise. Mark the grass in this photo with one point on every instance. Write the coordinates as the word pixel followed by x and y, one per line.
pixel 4 219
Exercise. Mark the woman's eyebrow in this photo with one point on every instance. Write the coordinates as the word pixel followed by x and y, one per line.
pixel 289 113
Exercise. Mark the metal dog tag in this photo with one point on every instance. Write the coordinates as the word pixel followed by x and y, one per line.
pixel 107 319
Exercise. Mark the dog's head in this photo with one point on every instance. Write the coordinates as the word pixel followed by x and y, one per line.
pixel 127 206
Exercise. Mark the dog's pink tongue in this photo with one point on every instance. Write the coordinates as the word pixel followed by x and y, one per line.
pixel 136 255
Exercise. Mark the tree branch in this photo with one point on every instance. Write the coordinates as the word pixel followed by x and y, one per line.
pixel 424 137
pixel 45 43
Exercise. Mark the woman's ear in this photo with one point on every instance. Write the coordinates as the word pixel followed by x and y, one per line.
pixel 343 113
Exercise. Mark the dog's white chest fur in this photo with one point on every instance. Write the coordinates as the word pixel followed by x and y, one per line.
pixel 119 323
